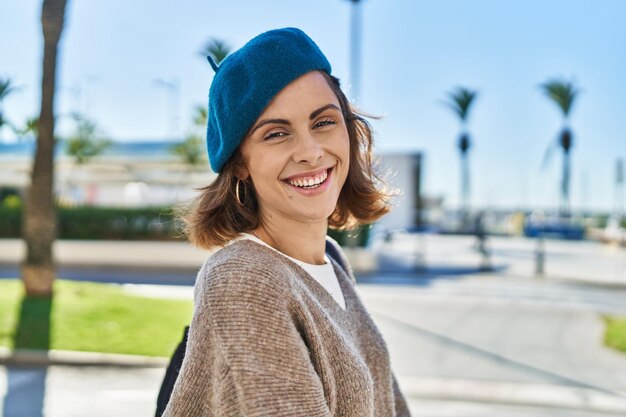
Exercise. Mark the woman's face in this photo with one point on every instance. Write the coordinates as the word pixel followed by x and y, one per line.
pixel 297 152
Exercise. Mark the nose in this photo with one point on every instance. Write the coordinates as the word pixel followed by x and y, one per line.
pixel 308 150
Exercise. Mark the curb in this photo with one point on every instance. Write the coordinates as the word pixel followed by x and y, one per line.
pixel 510 393
pixel 25 357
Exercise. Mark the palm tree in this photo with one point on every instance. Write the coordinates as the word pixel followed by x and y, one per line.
pixel 85 143
pixel 563 93
pixel 460 100
pixel 217 48
pixel 6 88
pixel 192 150
pixel 39 222
pixel 30 127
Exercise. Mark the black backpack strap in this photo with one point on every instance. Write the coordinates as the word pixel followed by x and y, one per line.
pixel 171 374
pixel 333 253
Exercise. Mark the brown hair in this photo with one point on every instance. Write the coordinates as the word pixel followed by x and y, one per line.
pixel 217 215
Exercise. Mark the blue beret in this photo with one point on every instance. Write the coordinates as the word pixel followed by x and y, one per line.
pixel 248 79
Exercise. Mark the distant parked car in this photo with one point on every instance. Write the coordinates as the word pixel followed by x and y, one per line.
pixel 559 228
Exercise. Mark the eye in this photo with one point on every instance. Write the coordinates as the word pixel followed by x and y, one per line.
pixel 325 122
pixel 274 135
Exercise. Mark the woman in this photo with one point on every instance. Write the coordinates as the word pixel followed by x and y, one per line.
pixel 278 328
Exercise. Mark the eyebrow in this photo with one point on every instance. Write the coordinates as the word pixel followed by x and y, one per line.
pixel 313 115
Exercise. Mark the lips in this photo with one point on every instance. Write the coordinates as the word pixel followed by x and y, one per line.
pixel 310 181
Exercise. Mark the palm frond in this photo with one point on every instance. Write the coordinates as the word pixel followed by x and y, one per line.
pixel 6 87
pixel 460 100
pixel 217 48
pixel 85 142
pixel 29 128
pixel 192 150
pixel 562 92
pixel 201 116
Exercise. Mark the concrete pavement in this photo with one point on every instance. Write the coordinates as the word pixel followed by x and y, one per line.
pixel 422 256
pixel 457 348
pixel 69 391
pixel 462 343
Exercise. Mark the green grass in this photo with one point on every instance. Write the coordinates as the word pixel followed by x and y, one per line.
pixel 93 317
pixel 10 294
pixel 615 334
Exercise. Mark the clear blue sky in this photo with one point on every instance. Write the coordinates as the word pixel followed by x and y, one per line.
pixel 413 53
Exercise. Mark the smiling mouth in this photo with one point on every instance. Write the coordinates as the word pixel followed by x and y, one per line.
pixel 310 183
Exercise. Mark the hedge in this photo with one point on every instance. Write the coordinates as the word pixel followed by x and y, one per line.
pixel 112 223
pixel 88 222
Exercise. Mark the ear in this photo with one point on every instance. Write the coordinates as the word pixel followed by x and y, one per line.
pixel 242 172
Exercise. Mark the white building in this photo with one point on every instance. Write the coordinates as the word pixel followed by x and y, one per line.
pixel 112 179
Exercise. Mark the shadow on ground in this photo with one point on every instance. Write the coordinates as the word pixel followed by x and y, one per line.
pixel 26 386
pixel 424 276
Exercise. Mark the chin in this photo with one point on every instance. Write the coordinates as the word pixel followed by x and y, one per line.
pixel 315 215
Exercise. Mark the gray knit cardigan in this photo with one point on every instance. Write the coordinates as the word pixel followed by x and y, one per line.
pixel 266 339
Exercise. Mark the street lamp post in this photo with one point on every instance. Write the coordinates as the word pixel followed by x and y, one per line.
pixel 173 89
pixel 355 49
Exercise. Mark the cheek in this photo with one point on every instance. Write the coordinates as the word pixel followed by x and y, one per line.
pixel 264 171
pixel 341 145
pixel 344 150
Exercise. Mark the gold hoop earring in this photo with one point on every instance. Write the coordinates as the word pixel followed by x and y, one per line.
pixel 237 192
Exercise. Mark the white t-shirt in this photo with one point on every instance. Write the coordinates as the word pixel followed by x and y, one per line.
pixel 324 274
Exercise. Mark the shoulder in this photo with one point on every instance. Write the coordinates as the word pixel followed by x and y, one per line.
pixel 241 253
pixel 242 268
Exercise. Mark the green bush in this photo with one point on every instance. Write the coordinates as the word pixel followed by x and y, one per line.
pixel 112 223
pixel 10 221
pixel 116 223
pixel 360 235
pixel 88 222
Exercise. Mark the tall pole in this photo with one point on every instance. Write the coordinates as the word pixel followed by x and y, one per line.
pixel 619 191
pixel 355 50
pixel 173 89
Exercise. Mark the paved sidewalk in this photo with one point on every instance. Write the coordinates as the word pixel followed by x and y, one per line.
pixel 109 253
pixel 501 341
pixel 471 348
pixel 433 255
pixel 71 391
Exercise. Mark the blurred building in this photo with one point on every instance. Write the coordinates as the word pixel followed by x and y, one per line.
pixel 130 174
pixel 412 209
pixel 147 173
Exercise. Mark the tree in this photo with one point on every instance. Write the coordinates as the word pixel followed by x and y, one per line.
pixel 6 88
pixel 30 127
pixel 563 93
pixel 85 142
pixel 192 149
pixel 460 100
pixel 39 218
pixel 217 48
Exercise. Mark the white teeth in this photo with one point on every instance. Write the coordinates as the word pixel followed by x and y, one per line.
pixel 311 181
